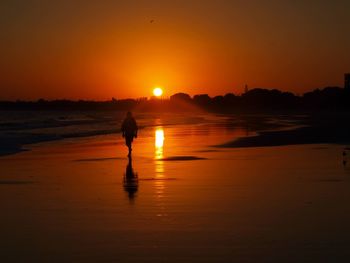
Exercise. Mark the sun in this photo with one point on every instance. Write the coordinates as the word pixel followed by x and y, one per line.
pixel 157 91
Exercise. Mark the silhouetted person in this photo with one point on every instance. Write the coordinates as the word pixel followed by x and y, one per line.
pixel 129 130
pixel 130 181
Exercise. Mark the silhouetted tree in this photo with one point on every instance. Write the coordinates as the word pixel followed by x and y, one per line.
pixel 329 98
pixel 180 97
pixel 202 100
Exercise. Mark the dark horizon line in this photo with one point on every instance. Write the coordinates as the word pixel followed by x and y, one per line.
pixel 169 97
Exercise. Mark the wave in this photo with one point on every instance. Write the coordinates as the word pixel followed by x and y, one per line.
pixel 18 129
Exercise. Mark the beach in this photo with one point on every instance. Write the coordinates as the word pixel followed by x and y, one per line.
pixel 182 197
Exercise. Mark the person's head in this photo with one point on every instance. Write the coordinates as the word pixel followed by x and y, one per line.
pixel 129 114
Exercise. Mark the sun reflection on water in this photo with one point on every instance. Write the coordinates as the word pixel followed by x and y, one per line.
pixel 159 163
pixel 159 143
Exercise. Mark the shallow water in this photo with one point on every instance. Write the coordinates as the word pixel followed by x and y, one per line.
pixel 180 200
pixel 20 128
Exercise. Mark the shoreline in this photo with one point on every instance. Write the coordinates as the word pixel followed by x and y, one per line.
pixel 299 136
pixel 10 150
pixel 269 131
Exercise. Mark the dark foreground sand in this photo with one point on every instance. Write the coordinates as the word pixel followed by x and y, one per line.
pixel 68 201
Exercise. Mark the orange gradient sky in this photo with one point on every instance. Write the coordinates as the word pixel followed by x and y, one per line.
pixel 103 49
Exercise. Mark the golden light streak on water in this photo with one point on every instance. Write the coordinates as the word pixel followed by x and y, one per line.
pixel 159 163
pixel 159 142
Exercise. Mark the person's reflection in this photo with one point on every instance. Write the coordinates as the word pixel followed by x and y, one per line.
pixel 131 181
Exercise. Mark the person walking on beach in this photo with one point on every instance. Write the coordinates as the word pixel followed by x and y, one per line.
pixel 129 130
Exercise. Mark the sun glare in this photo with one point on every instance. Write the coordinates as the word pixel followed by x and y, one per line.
pixel 157 92
pixel 159 138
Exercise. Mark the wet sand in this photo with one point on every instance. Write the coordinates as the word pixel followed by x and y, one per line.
pixel 321 128
pixel 181 200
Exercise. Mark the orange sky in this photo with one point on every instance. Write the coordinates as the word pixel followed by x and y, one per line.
pixel 103 49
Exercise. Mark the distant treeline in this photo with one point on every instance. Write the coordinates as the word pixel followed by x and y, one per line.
pixel 329 98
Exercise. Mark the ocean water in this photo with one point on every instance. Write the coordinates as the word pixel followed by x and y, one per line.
pixel 20 128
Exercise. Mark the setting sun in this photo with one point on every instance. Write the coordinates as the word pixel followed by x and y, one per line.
pixel 157 92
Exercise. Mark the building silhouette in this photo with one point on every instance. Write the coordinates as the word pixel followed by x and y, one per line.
pixel 347 81
pixel 246 89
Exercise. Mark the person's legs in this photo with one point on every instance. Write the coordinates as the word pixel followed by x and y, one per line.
pixel 128 141
pixel 130 149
